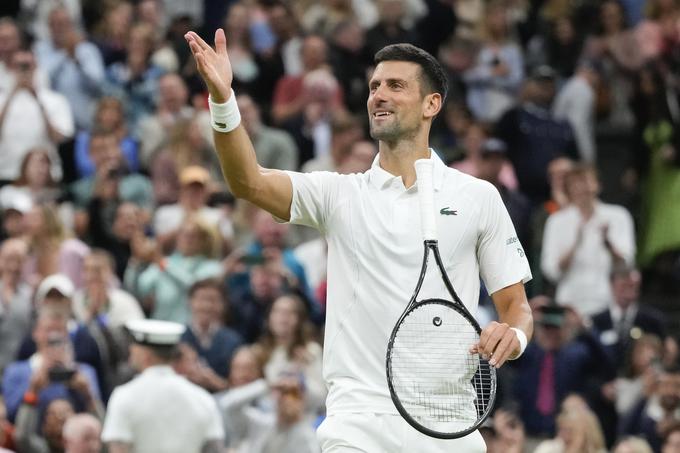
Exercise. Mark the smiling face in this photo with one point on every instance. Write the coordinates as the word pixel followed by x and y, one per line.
pixel 395 103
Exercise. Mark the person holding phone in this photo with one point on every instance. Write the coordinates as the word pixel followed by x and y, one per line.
pixel 52 372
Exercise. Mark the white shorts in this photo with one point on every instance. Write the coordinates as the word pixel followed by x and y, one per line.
pixel 386 433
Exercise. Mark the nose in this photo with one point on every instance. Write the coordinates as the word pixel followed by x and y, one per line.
pixel 377 95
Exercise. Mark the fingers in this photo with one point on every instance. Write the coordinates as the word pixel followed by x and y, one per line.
pixel 192 37
pixel 497 343
pixel 504 349
pixel 490 338
pixel 220 42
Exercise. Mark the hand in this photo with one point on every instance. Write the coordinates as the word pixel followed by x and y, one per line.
pixel 106 185
pixel 73 38
pixel 97 297
pixel 39 379
pixel 501 69
pixel 497 343
pixel 80 384
pixel 213 64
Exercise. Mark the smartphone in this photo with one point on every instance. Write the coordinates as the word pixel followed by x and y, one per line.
pixel 61 373
pixel 252 260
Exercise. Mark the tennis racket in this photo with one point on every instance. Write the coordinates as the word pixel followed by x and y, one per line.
pixel 436 384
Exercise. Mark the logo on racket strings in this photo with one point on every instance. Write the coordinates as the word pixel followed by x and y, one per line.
pixel 437 321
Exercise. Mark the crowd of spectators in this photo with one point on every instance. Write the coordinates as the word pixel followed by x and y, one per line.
pixel 114 208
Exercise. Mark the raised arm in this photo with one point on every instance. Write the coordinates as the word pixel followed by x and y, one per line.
pixel 269 189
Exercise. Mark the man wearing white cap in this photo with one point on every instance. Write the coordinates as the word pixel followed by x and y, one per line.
pixel 160 411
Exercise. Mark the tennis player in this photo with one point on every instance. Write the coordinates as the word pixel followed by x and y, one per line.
pixel 372 226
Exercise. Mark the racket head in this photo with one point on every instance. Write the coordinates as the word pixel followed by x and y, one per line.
pixel 436 384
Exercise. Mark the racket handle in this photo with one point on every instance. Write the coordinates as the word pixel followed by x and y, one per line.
pixel 424 170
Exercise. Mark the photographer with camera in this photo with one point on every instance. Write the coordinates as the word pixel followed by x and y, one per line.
pixel 30 116
pixel 52 372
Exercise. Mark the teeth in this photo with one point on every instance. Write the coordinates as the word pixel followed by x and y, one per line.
pixel 382 113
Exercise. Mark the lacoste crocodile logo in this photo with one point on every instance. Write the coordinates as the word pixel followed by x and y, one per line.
pixel 447 211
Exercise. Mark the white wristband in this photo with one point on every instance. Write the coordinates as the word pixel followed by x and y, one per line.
pixel 522 338
pixel 224 117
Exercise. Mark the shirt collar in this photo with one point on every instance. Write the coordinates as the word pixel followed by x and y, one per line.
pixel 381 178
pixel 616 312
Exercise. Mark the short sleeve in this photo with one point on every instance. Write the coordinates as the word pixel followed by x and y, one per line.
pixel 117 422
pixel 314 197
pixel 502 259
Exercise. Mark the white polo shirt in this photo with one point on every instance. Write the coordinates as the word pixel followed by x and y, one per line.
pixel 162 412
pixel 375 251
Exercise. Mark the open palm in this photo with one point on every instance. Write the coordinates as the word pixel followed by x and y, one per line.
pixel 213 64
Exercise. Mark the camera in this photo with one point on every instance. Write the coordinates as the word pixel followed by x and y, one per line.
pixel 115 173
pixel 60 373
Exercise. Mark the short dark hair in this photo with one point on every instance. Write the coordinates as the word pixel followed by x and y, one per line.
pixel 434 77
pixel 208 283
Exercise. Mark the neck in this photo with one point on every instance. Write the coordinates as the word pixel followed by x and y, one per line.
pixel 283 340
pixel 586 208
pixel 398 159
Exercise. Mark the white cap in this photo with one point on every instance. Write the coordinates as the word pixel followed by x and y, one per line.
pixel 19 201
pixel 152 332
pixel 57 282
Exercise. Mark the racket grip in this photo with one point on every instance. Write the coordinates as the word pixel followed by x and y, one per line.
pixel 424 171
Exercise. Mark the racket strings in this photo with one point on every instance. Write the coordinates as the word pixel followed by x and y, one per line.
pixel 435 378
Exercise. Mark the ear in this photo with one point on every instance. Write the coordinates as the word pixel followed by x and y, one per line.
pixel 432 105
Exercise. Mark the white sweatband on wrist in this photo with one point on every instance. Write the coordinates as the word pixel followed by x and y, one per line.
pixel 522 338
pixel 224 117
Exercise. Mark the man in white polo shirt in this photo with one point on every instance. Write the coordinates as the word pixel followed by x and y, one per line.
pixel 372 227
pixel 160 411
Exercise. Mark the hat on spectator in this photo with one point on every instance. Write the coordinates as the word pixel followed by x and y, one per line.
pixel 494 146
pixel 194 175
pixel 55 282
pixel 153 332
pixel 19 201
pixel 544 73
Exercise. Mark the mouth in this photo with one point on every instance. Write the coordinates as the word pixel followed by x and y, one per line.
pixel 382 114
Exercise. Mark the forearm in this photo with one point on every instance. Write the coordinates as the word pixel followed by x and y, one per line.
pixel 269 189
pixel 513 308
pixel 52 132
pixel 237 161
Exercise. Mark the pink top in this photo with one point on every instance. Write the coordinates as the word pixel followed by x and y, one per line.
pixel 71 256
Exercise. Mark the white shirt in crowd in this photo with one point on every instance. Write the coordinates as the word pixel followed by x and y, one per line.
pixel 375 248
pixel 162 412
pixel 170 217
pixel 24 128
pixel 122 307
pixel 575 103
pixel 585 284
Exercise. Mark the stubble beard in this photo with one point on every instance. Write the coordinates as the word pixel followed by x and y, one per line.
pixel 392 133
